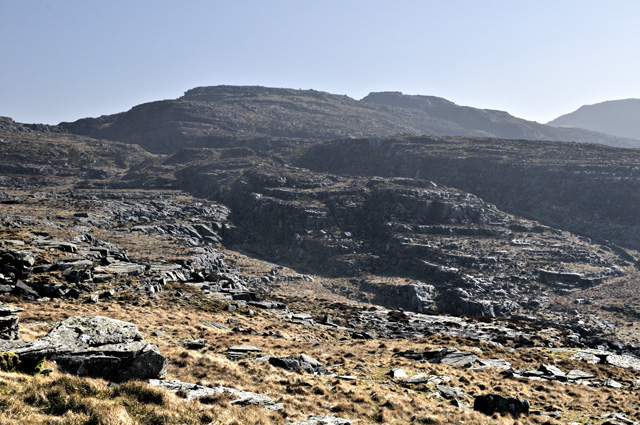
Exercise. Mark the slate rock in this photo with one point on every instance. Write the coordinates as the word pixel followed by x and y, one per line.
pixel 451 357
pixel 194 391
pixel 619 417
pixel 552 371
pixel 612 384
pixel 196 344
pixel 450 392
pixel 323 420
pixel 481 364
pixel 576 374
pixel 97 347
pixel 241 351
pixel 24 290
pixel 625 361
pixel 494 403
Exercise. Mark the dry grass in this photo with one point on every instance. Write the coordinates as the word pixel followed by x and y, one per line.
pixel 373 398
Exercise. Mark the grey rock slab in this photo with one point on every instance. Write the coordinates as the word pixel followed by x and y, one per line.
pixel 215 325
pixel 612 384
pixel 97 347
pixel 460 359
pixel 575 375
pixel 620 417
pixel 623 361
pixel 417 379
pixel 491 364
pixel 550 370
pixel 450 392
pixel 244 349
pixel 194 391
pixel 323 420
pixel 196 344
pixel 426 379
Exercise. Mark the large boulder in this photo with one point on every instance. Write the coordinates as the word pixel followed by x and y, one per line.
pixel 94 346
pixel 494 403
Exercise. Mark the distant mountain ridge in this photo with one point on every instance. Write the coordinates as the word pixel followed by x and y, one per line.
pixel 222 115
pixel 616 117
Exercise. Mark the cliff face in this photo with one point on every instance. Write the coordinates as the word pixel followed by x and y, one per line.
pixel 224 115
pixel 589 189
pixel 468 256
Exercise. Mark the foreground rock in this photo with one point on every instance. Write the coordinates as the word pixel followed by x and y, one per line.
pixel 194 391
pixel 494 403
pixel 94 346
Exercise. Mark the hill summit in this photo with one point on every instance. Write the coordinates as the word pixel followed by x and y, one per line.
pixel 616 117
pixel 220 116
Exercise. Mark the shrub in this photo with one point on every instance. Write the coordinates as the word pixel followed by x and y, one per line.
pixel 9 361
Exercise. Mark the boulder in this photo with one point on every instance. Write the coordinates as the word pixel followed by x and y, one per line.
pixel 293 364
pixel 9 321
pixel 494 403
pixel 94 346
pixel 397 373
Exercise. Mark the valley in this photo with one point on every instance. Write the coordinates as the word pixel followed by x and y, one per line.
pixel 324 272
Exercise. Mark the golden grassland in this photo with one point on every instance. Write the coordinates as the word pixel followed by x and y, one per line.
pixel 374 397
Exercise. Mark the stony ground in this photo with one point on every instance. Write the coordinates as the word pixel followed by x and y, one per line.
pixel 122 238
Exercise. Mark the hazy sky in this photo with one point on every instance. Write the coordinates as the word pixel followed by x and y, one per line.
pixel 64 60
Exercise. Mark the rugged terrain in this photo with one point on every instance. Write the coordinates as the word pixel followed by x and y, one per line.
pixel 404 279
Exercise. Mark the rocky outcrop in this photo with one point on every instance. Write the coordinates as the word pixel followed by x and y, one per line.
pixel 9 328
pixel 94 346
pixel 569 186
pixel 8 125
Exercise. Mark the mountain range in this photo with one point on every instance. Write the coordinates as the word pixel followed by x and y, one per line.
pixel 221 115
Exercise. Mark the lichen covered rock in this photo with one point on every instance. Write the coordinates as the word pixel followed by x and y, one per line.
pixel 97 347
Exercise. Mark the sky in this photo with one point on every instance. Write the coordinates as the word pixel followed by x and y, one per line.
pixel 64 60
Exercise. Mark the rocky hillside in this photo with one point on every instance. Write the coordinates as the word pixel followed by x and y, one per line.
pixel 616 117
pixel 224 115
pixel 588 189
pixel 235 286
